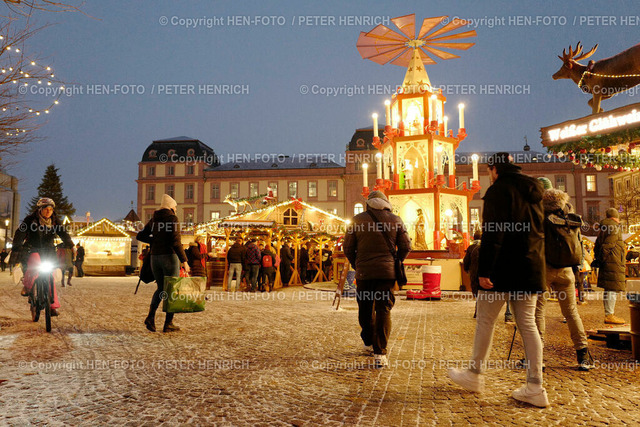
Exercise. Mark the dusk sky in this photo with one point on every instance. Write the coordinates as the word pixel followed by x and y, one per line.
pixel 97 140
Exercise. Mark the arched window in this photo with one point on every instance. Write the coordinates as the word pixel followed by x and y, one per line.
pixel 358 208
pixel 153 154
pixel 171 152
pixel 191 152
pixel 290 217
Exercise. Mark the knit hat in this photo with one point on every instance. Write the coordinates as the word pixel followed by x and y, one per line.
pixel 546 182
pixel 377 200
pixel 612 213
pixel 168 202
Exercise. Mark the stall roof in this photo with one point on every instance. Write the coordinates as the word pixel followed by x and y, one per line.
pixel 246 223
pixel 103 228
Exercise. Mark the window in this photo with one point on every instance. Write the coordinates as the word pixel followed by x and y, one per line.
pixel 293 189
pixel 333 188
pixel 618 187
pixel 191 152
pixel 358 208
pixel 153 154
pixel 290 217
pixel 151 171
pixel 561 183
pixel 313 189
pixel 593 213
pixel 235 190
pixel 591 183
pixel 274 188
pixel 215 215
pixel 190 169
pixel 188 217
pixel 170 170
pixel 333 211
pixel 171 153
pixel 170 189
pixel 151 193
pixel 358 166
pixel 627 184
pixel 475 215
pixel 253 189
pixel 188 192
pixel 636 181
pixel 215 191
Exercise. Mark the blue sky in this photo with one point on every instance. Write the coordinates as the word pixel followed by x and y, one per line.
pixel 96 140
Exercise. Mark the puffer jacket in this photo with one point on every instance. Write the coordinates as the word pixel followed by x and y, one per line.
pixel 162 232
pixel 609 251
pixel 194 255
pixel 512 248
pixel 32 237
pixel 366 248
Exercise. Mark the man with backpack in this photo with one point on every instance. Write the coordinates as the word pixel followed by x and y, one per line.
pixel 268 268
pixel 563 251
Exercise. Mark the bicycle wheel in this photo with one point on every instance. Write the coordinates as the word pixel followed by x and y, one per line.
pixel 48 287
pixel 34 303
pixel 47 317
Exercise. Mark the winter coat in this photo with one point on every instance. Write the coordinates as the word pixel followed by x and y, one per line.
pixel 80 255
pixel 194 256
pixel 609 251
pixel 366 248
pixel 32 237
pixel 556 201
pixel 286 256
pixel 470 265
pixel 512 248
pixel 162 232
pixel 236 254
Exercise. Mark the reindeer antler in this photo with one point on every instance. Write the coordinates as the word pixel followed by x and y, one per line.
pixel 586 55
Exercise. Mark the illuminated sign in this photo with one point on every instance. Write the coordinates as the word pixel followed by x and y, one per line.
pixel 618 119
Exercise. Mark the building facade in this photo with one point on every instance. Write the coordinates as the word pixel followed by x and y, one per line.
pixel 200 184
pixel 9 207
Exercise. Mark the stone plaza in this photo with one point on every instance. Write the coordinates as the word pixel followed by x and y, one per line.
pixel 286 358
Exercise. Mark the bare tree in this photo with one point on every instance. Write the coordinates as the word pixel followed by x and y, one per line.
pixel 629 198
pixel 26 7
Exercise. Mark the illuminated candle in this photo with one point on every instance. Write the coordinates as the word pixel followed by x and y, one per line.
pixel 474 158
pixel 379 166
pixel 385 167
pixel 375 124
pixel 387 112
pixel 432 108
pixel 461 110
pixel 446 121
pixel 365 177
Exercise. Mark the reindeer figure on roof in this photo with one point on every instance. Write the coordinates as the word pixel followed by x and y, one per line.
pixel 238 202
pixel 603 79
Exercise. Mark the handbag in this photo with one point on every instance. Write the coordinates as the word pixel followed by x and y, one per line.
pixel 184 294
pixel 398 264
pixel 146 273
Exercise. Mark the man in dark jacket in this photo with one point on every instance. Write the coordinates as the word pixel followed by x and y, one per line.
pixel 79 259
pixel 286 258
pixel 253 260
pixel 235 259
pixel 304 263
pixel 609 253
pixel 512 267
pixel 366 248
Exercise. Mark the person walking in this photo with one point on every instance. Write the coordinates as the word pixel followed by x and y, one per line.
pixel 560 276
pixel 367 246
pixel 162 232
pixel 511 267
pixel 470 264
pixel 286 258
pixel 268 268
pixel 65 262
pixel 235 259
pixel 79 259
pixel 609 253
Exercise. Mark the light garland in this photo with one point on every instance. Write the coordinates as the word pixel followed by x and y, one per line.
pixel 104 220
pixel 618 76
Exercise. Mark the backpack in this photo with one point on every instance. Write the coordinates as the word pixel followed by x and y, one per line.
pixel 562 247
pixel 267 261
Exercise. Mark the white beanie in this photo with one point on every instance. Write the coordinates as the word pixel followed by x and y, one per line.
pixel 168 202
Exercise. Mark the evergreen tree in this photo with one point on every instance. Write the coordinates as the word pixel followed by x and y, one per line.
pixel 51 187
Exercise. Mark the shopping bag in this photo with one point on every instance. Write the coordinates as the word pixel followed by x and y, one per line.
pixel 183 294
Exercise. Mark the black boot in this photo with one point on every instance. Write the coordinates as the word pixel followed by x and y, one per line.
pixel 585 361
pixel 168 324
pixel 150 322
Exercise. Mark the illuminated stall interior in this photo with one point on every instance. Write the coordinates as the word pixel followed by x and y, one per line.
pixel 107 248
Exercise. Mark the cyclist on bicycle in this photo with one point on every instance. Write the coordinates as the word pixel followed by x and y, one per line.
pixel 36 234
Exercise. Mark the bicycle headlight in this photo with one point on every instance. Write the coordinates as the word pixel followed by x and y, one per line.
pixel 45 267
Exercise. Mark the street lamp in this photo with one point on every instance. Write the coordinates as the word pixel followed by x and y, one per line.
pixel 6 231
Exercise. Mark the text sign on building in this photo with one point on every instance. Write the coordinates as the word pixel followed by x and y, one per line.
pixel 596 124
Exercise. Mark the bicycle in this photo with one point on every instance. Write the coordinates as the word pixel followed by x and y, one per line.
pixel 41 294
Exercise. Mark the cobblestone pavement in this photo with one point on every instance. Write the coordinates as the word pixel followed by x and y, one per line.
pixel 283 358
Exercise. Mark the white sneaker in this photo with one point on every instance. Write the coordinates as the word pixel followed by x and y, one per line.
pixel 467 380
pixel 381 360
pixel 534 397
pixel 368 349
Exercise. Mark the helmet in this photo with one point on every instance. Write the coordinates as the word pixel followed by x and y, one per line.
pixel 44 202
